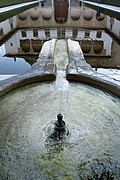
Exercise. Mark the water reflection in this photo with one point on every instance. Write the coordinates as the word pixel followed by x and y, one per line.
pixel 61 11
pixel 108 12
pixel 15 64
pixel 13 10
pixel 31 40
pixel 27 43
pixel 80 23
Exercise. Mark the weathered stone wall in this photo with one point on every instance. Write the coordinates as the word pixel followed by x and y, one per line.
pixel 44 18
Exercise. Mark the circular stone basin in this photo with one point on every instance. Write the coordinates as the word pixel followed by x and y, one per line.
pixel 92 150
pixel 36 44
pixel 25 45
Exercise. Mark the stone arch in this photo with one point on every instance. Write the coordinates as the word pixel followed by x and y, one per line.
pixel 98 46
pixel 23 16
pixel 46 13
pixel 86 46
pixel 75 13
pixel 88 14
pixel 34 13
pixel 25 45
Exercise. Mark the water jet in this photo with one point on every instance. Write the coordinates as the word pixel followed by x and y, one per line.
pixel 60 129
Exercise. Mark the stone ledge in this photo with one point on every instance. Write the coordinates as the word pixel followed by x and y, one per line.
pixel 19 81
pixel 95 81
pixel 80 71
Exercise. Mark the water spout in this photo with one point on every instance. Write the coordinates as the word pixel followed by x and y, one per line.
pixel 60 129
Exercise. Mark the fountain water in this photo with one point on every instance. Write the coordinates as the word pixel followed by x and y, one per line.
pixel 92 149
pixel 60 129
